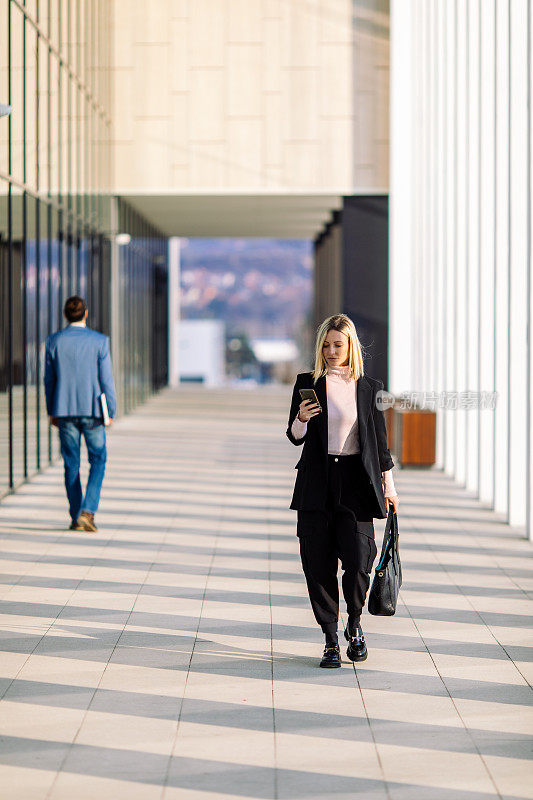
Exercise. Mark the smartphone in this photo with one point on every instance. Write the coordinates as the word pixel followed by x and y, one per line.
pixel 310 394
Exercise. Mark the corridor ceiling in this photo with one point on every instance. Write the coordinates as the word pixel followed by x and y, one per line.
pixel 280 216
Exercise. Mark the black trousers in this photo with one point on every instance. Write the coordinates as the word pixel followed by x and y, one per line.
pixel 345 531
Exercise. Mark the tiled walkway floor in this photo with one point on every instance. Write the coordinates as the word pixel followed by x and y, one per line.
pixel 174 653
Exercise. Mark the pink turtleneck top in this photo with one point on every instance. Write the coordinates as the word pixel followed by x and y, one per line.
pixel 343 428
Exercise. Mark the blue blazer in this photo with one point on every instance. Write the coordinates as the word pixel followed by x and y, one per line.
pixel 77 370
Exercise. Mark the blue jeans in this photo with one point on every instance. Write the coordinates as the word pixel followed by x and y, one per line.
pixel 70 431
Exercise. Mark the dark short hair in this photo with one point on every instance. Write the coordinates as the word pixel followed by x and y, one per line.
pixel 75 308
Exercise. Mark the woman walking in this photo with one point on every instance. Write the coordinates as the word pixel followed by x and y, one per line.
pixel 344 480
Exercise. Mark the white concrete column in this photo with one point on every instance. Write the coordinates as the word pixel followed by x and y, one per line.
pixel 468 212
pixel 461 209
pixel 501 432
pixel 402 220
pixel 529 420
pixel 440 44
pixel 473 271
pixel 115 300
pixel 450 415
pixel 487 251
pixel 518 263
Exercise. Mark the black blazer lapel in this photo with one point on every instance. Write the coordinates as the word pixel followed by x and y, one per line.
pixel 322 419
pixel 364 397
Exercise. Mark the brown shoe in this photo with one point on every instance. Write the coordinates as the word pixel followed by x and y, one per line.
pixel 86 522
pixel 74 526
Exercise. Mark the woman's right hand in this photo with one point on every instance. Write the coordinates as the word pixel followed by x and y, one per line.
pixel 308 409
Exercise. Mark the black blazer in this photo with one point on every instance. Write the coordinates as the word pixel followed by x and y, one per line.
pixel 311 481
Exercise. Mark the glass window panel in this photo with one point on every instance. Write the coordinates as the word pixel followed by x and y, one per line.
pixel 43 127
pixel 59 146
pixel 54 126
pixel 63 131
pixel 63 27
pixel 30 288
pixel 55 274
pixel 72 255
pixel 76 148
pixel 17 337
pixel 4 342
pixel 44 325
pixel 54 21
pixel 69 139
pixel 16 119
pixel 83 269
pixel 31 8
pixel 30 76
pixel 54 298
pixel 4 86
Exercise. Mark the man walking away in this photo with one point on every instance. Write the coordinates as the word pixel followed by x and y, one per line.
pixel 77 373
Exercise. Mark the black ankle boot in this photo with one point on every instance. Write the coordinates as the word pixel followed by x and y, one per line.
pixel 332 656
pixel 356 643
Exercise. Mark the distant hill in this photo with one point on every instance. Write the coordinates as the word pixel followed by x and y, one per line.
pixel 261 287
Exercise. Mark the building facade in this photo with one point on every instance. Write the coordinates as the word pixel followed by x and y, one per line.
pixel 460 287
pixel 58 220
pixel 170 119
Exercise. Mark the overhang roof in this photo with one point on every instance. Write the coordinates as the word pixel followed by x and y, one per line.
pixel 295 215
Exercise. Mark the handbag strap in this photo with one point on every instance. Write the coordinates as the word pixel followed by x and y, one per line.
pixel 390 537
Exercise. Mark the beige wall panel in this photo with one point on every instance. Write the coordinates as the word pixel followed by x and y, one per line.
pixel 272 8
pixel 381 51
pixel 245 153
pixel 365 176
pixel 207 40
pixel 180 9
pixel 273 176
pixel 151 81
pixel 301 164
pixel 123 34
pixel 207 108
pixel 125 168
pixel 364 62
pixel 149 28
pixel 126 99
pixel 303 29
pixel 381 172
pixel 180 176
pixel 271 56
pixel 371 95
pixel 244 80
pixel 152 153
pixel 302 104
pixel 179 77
pixel 364 127
pixel 336 96
pixel 335 166
pixel 273 126
pixel 382 104
pixel 335 21
pixel 179 143
pixel 245 21
pixel 236 115
pixel 208 166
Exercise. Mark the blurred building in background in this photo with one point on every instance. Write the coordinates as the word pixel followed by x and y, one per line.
pixel 202 352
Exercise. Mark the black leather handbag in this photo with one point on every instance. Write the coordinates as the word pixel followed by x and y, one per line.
pixel 388 573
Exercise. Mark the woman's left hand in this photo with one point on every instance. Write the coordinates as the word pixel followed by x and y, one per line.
pixel 395 502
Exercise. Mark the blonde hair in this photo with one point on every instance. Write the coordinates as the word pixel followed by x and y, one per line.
pixel 342 323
